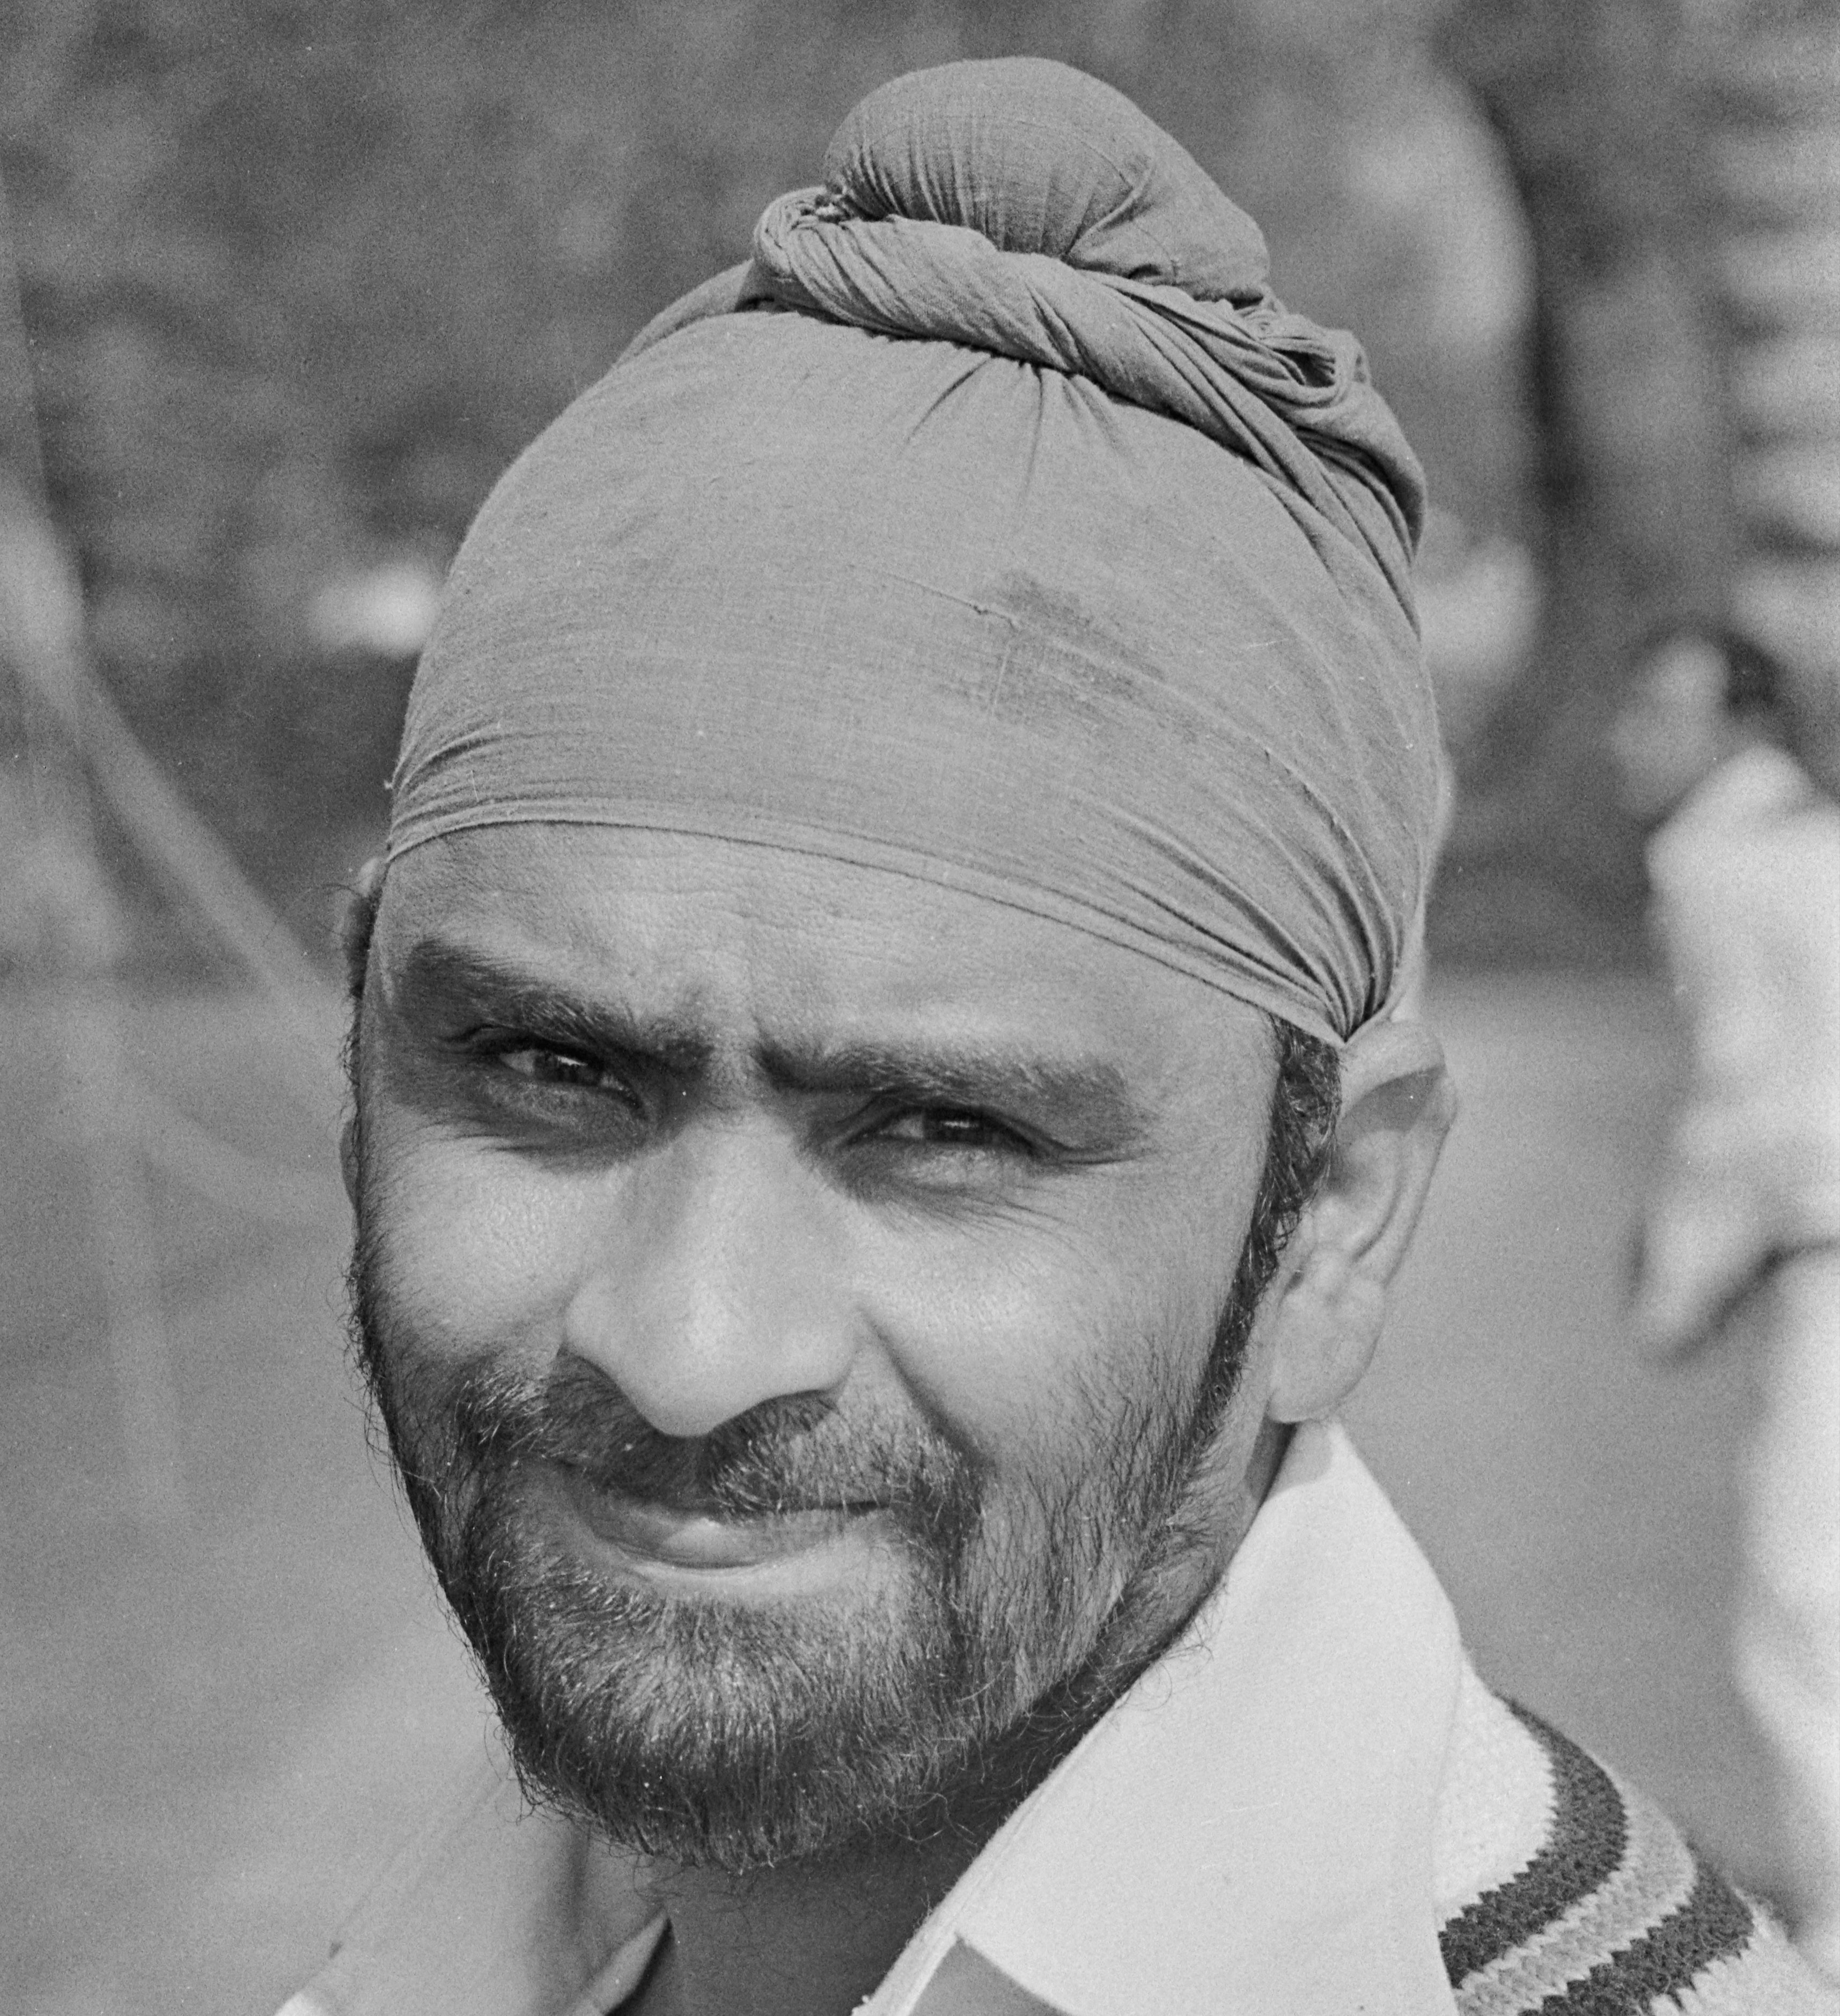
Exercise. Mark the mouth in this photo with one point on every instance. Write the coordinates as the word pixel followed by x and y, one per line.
pixel 704 1538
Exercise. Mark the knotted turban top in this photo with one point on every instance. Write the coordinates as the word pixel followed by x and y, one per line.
pixel 994 524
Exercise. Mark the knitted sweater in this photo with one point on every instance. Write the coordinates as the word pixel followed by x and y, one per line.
pixel 1562 1890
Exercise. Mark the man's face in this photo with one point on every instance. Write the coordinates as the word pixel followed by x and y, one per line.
pixel 792 1291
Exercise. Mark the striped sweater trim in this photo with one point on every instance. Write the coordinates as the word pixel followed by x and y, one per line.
pixel 1614 1911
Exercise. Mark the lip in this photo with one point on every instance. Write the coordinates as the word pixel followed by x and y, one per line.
pixel 655 1535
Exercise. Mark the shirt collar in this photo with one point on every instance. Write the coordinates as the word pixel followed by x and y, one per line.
pixel 1251 1826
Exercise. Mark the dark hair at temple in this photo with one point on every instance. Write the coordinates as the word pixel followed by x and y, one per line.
pixel 1300 1143
pixel 358 925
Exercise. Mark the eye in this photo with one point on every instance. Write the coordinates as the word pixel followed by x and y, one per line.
pixel 534 1090
pixel 951 1127
pixel 538 1064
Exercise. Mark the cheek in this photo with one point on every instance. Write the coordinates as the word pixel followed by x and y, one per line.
pixel 1015 1337
pixel 476 1249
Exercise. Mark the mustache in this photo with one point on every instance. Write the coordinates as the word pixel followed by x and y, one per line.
pixel 790 1454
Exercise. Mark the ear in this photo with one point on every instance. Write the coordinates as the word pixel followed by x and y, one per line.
pixel 1328 1304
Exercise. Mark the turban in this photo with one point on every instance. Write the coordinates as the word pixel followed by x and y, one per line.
pixel 993 524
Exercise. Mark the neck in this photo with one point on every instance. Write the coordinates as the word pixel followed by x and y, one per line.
pixel 805 1939
pixel 816 1938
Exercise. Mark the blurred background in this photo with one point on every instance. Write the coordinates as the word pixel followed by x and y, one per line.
pixel 286 285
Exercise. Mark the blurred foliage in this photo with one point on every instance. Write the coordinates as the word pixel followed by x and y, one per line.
pixel 301 276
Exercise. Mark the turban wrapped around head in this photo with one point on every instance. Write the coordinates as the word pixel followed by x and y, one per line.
pixel 993 524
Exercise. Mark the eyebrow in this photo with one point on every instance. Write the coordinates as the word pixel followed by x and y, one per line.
pixel 1090 1096
pixel 438 974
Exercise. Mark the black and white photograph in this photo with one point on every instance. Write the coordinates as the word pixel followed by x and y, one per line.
pixel 919 970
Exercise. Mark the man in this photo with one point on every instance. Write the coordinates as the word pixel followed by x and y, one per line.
pixel 880 1144
pixel 1742 1235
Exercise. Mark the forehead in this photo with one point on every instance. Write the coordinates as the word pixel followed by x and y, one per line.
pixel 735 942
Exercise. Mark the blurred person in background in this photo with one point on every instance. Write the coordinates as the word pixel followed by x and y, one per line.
pixel 882 1136
pixel 1741 1235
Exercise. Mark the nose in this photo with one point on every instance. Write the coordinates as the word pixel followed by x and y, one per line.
pixel 716 1281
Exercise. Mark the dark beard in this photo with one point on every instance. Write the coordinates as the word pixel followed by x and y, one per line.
pixel 735 1736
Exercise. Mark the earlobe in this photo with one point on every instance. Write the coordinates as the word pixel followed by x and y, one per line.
pixel 1326 1321
pixel 1331 1297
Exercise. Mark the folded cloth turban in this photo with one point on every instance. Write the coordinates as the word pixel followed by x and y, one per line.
pixel 994 524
